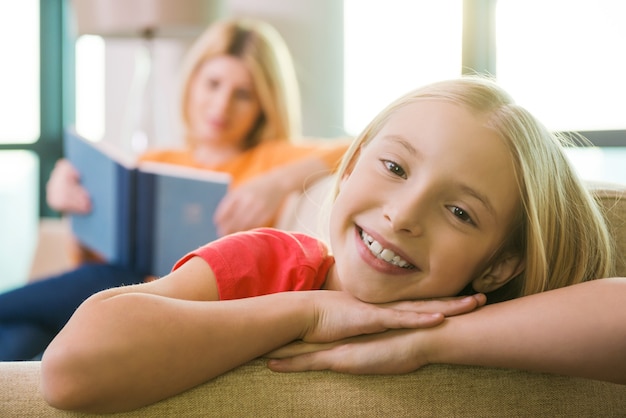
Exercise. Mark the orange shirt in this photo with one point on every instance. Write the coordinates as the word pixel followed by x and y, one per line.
pixel 260 159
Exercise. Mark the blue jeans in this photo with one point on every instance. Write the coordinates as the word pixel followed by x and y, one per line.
pixel 31 315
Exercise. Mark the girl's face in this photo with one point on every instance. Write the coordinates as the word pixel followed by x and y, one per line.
pixel 223 105
pixel 427 204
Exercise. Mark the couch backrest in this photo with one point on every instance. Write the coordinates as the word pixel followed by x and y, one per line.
pixel 302 212
pixel 613 200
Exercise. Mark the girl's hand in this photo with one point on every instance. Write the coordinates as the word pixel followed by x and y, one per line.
pixel 253 204
pixel 389 352
pixel 383 350
pixel 338 315
pixel 64 192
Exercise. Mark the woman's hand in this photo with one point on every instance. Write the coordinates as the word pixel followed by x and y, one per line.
pixel 376 348
pixel 257 202
pixel 64 192
pixel 253 204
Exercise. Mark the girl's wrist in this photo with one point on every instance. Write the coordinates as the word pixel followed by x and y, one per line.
pixel 297 308
pixel 433 345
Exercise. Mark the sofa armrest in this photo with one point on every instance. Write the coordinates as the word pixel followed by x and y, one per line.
pixel 437 390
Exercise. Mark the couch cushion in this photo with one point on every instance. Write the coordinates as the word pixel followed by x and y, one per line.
pixel 252 390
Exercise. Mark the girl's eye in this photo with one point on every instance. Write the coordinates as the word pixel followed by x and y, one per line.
pixel 461 214
pixel 395 168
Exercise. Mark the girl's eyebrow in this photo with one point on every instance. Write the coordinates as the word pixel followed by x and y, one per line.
pixel 404 142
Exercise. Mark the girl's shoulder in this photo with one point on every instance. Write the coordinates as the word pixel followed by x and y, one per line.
pixel 273 243
pixel 264 260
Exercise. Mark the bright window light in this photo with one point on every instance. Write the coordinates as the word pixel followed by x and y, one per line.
pixel 90 67
pixel 19 72
pixel 394 46
pixel 564 60
pixel 19 215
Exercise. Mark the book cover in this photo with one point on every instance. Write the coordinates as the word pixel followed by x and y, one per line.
pixel 110 180
pixel 175 207
pixel 145 216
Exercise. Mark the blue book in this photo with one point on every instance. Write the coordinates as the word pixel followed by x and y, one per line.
pixel 145 215
pixel 175 208
pixel 110 179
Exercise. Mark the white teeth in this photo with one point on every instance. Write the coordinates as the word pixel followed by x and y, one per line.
pixel 387 255
pixel 383 253
pixel 376 248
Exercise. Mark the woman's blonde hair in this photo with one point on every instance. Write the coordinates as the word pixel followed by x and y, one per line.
pixel 560 230
pixel 264 52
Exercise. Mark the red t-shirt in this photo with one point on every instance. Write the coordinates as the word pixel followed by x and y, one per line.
pixel 264 261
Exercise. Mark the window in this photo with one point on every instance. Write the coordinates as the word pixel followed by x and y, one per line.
pixel 563 60
pixel 90 53
pixel 19 76
pixel 411 43
pixel 19 175
pixel 19 169
pixel 31 38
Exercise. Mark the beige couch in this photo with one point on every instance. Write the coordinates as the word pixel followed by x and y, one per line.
pixel 434 391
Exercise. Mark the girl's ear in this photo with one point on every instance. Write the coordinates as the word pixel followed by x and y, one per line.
pixel 499 274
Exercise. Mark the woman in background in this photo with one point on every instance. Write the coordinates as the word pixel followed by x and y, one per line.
pixel 241 111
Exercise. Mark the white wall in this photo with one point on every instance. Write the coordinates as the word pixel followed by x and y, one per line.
pixel 313 32
pixel 120 66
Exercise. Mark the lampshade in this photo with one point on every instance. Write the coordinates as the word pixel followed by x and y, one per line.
pixel 141 18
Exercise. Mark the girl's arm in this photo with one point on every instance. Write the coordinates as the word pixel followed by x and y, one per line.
pixel 131 346
pixel 128 347
pixel 579 331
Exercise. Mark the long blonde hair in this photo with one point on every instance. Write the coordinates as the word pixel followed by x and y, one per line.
pixel 264 52
pixel 560 230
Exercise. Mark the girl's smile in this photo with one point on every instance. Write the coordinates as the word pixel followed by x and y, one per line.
pixel 382 256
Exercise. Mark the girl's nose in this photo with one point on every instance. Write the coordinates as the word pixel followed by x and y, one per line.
pixel 406 214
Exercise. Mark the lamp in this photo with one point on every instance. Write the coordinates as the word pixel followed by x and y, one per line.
pixel 146 20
